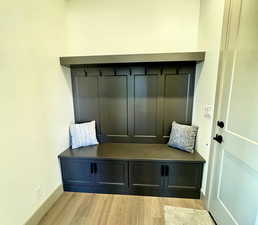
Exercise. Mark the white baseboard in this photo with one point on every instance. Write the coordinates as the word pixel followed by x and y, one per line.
pixel 43 209
pixel 204 200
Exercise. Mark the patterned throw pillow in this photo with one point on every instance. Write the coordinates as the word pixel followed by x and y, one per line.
pixel 183 137
pixel 83 134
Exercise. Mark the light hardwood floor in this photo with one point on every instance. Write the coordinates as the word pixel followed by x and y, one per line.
pixel 103 209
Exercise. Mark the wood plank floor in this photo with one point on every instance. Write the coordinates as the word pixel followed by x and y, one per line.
pixel 103 209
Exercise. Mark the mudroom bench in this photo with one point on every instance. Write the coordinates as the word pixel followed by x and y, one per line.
pixel 128 168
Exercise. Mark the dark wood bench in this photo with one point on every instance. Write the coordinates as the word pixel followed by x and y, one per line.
pixel 127 168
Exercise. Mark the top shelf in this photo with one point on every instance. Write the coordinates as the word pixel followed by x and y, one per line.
pixel 133 58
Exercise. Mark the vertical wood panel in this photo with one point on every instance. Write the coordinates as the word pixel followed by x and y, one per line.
pixel 145 105
pixel 114 105
pixel 177 100
pixel 86 98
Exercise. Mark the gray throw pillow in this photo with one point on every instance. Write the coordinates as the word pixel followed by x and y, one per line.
pixel 183 137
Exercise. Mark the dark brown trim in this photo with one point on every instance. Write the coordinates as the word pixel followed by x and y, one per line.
pixel 133 58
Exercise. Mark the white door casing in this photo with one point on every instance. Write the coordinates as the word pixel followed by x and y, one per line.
pixel 233 188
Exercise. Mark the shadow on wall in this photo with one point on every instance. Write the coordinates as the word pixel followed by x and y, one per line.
pixel 67 75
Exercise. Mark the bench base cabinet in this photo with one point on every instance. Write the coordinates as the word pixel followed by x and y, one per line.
pixel 100 176
pixel 147 177
pixel 176 179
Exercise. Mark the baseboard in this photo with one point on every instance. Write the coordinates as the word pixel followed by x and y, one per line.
pixel 204 200
pixel 42 210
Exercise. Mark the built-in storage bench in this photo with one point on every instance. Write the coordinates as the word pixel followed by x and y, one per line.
pixel 137 169
pixel 133 99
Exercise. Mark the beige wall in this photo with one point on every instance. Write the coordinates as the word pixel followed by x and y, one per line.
pixel 210 28
pixel 121 26
pixel 36 105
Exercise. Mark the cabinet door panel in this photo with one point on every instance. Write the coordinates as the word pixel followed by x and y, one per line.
pixel 145 176
pixel 184 176
pixel 178 99
pixel 85 90
pixel 114 106
pixel 77 171
pixel 146 105
pixel 111 173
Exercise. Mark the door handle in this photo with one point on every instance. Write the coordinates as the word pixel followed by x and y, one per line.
pixel 162 170
pixel 91 168
pixel 95 168
pixel 218 138
pixel 220 124
pixel 167 171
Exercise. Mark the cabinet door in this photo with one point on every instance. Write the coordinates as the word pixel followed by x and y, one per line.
pixel 183 179
pixel 77 171
pixel 111 174
pixel 114 108
pixel 145 178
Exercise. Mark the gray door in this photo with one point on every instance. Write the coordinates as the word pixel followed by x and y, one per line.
pixel 233 198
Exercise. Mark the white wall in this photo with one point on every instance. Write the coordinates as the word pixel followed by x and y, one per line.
pixel 36 105
pixel 122 26
pixel 35 92
pixel 210 30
